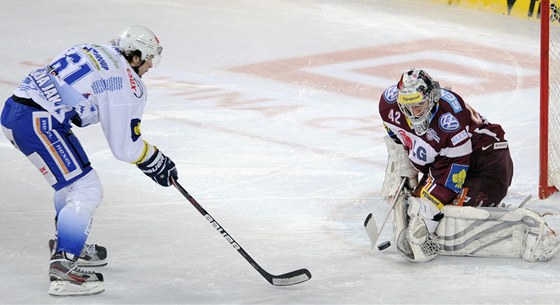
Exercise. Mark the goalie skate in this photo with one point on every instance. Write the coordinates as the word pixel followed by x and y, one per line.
pixel 68 280
pixel 92 255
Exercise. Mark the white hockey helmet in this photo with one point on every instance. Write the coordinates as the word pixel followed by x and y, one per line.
pixel 418 97
pixel 139 38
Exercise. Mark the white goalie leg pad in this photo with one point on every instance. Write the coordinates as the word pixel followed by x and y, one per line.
pixel 540 243
pixel 400 218
pixel 495 232
pixel 487 232
pixel 398 166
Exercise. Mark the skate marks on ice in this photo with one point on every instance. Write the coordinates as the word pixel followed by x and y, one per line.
pixel 241 107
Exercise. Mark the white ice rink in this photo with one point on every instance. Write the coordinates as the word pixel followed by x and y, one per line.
pixel 269 110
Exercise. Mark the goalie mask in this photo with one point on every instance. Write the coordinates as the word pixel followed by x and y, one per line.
pixel 138 38
pixel 418 97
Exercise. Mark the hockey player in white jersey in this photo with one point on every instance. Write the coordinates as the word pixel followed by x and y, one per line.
pixel 86 84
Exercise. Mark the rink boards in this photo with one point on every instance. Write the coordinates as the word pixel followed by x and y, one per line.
pixel 528 9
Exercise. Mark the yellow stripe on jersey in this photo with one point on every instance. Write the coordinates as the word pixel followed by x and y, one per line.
pixel 144 154
pixel 425 193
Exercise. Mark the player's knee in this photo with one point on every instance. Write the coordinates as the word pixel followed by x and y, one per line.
pixel 480 199
pixel 86 192
pixel 60 199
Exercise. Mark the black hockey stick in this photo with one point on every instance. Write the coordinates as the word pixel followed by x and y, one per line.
pixel 286 279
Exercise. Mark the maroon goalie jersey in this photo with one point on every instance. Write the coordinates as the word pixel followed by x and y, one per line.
pixel 456 133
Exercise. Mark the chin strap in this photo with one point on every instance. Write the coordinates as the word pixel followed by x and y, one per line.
pixel 137 70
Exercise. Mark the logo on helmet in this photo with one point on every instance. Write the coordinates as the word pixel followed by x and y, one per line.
pixel 413 98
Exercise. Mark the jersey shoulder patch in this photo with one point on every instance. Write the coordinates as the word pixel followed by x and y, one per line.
pixel 452 100
pixel 390 95
pixel 456 178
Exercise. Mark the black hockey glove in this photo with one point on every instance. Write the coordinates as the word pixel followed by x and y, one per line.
pixel 160 168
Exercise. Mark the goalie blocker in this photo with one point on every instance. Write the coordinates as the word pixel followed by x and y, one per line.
pixel 483 232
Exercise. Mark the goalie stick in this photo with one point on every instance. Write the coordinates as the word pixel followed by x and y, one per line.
pixel 525 201
pixel 286 279
pixel 371 226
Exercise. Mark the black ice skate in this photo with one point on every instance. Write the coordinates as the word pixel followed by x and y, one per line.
pixel 68 280
pixel 92 255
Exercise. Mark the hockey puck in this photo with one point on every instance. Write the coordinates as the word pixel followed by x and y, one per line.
pixel 384 245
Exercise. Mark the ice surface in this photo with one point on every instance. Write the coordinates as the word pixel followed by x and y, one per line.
pixel 269 109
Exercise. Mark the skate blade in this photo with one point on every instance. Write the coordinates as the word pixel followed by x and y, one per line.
pixel 65 288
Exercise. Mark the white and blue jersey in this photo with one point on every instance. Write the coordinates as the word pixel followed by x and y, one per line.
pixel 86 84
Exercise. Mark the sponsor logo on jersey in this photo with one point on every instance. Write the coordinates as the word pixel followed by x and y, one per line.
pixel 432 135
pixel 95 58
pixel 56 145
pixel 457 176
pixel 500 145
pixel 419 152
pixel 107 84
pixel 405 139
pixel 109 54
pixel 451 100
pixel 425 194
pixel 391 94
pixel 458 138
pixel 448 122
pixel 135 129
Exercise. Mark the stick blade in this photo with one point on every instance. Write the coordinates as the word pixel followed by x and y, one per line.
pixel 291 278
pixel 371 229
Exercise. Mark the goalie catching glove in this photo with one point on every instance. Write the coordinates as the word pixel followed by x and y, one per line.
pixel 160 168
